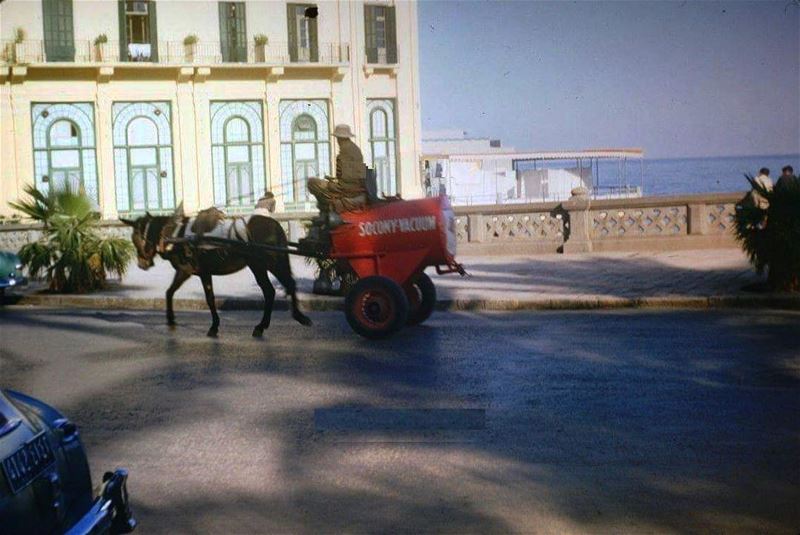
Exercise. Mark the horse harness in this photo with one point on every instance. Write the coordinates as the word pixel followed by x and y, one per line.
pixel 237 230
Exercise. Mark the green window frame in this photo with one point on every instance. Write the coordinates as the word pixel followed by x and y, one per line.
pixel 47 170
pixel 301 28
pixel 233 31
pixel 380 34
pixel 304 127
pixel 226 154
pixel 151 180
pixel 59 40
pixel 142 14
pixel 382 128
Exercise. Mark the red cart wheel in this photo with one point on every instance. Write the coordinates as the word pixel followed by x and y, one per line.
pixel 376 307
pixel 421 299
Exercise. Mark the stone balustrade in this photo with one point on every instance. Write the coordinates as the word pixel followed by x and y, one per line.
pixel 577 225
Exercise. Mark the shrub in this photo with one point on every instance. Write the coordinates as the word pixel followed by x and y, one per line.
pixel 260 39
pixel 771 237
pixel 190 39
pixel 19 35
pixel 71 253
pixel 100 39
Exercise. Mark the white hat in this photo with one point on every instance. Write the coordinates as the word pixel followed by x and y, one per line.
pixel 343 130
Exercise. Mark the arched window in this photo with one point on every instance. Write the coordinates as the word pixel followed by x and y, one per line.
pixel 305 148
pixel 382 145
pixel 143 156
pixel 237 150
pixel 63 147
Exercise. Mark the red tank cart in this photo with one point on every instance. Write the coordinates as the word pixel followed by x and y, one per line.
pixel 388 246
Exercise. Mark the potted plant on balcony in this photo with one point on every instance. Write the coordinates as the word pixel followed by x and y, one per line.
pixel 190 46
pixel 261 41
pixel 19 38
pixel 99 45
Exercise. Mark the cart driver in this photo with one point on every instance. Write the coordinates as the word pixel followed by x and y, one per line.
pixel 347 190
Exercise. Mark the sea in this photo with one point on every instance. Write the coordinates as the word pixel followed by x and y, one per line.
pixel 677 176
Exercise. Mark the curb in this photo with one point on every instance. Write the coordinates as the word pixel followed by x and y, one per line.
pixel 321 303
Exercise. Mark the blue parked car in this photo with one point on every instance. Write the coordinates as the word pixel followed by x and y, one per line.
pixel 45 483
pixel 10 272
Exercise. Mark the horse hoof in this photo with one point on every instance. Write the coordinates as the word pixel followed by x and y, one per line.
pixel 303 320
pixel 258 332
pixel 212 333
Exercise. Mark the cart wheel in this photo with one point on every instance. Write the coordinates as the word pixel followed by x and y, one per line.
pixel 376 307
pixel 421 299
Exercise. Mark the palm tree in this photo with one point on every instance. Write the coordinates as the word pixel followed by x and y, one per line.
pixel 72 253
pixel 771 237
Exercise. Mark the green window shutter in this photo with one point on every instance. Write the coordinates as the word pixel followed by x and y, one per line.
pixel 241 32
pixel 123 31
pixel 233 31
pixel 369 34
pixel 391 35
pixel 151 6
pixel 224 38
pixel 59 44
pixel 312 33
pixel 291 19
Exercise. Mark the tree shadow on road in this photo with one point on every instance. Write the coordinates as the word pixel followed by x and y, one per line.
pixel 610 421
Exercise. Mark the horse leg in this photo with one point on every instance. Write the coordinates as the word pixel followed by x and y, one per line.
pixel 268 290
pixel 283 272
pixel 177 281
pixel 208 288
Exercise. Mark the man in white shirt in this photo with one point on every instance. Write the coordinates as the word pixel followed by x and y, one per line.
pixel 765 182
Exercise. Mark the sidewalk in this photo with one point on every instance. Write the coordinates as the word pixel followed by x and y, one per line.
pixel 704 278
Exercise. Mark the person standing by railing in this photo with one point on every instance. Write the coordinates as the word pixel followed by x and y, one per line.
pixel 765 182
pixel 787 178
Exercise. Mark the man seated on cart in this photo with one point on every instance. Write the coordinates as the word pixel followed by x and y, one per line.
pixel 344 192
pixel 347 190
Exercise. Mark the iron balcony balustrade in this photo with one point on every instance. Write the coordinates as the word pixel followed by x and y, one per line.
pixel 30 52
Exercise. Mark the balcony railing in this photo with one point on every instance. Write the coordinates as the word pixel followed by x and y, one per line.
pixel 176 53
pixel 22 52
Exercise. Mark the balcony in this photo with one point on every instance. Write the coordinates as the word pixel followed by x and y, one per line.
pixel 175 53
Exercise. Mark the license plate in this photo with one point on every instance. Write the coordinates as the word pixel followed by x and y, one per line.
pixel 28 462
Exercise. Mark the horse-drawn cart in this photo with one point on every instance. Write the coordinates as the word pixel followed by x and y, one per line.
pixel 387 246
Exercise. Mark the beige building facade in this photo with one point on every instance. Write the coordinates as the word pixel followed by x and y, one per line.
pixel 146 104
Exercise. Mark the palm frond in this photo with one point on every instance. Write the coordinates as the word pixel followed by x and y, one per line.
pixel 771 237
pixel 72 252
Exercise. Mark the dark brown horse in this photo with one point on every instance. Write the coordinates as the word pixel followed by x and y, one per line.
pixel 150 237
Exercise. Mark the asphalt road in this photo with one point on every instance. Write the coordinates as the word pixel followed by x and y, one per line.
pixel 618 421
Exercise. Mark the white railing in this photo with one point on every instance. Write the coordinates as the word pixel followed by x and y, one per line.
pixel 176 53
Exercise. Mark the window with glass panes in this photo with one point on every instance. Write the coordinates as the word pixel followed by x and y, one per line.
pixel 59 44
pixel 302 32
pixel 64 147
pixel 380 34
pixel 233 31
pixel 305 146
pixel 383 144
pixel 237 153
pixel 143 167
pixel 138 30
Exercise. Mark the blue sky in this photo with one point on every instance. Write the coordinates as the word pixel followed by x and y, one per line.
pixel 675 78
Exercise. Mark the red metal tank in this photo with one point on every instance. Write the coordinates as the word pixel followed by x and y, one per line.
pixel 397 239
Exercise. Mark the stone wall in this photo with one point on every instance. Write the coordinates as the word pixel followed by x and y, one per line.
pixel 577 225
